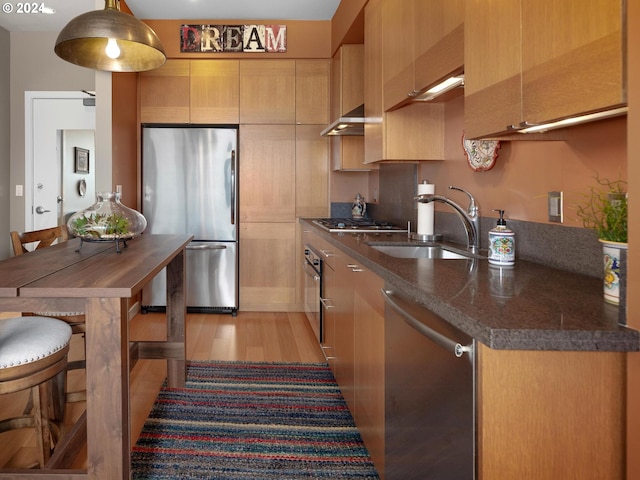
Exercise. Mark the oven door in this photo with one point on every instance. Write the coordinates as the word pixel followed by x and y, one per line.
pixel 312 293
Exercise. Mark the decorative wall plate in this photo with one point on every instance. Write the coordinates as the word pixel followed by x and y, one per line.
pixel 481 154
pixel 82 187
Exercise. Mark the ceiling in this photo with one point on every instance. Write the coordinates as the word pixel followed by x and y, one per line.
pixel 65 10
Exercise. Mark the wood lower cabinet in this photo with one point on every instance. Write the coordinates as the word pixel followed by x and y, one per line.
pixel 540 415
pixel 268 271
pixel 369 364
pixel 354 341
pixel 344 328
pixel 550 415
pixel 330 292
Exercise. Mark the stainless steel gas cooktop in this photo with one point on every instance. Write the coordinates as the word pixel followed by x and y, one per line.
pixel 352 225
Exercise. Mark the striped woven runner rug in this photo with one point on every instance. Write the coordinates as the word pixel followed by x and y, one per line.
pixel 237 420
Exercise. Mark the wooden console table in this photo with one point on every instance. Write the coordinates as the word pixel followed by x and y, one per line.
pixel 99 282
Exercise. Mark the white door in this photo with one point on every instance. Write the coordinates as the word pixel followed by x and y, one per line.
pixel 47 115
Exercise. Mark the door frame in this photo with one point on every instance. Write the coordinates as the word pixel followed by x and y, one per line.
pixel 30 138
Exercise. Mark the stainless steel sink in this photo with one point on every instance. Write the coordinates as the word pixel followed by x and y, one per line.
pixel 419 251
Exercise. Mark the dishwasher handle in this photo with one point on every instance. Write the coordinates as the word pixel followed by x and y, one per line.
pixel 454 347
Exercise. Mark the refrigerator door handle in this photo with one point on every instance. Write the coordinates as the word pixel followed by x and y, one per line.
pixel 206 247
pixel 233 187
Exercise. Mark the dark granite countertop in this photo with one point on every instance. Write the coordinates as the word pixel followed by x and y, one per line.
pixel 524 307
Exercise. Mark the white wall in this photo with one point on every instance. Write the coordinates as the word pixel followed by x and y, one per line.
pixel 33 65
pixel 5 135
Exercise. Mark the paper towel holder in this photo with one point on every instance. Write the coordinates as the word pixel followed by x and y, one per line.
pixel 427 238
pixel 435 237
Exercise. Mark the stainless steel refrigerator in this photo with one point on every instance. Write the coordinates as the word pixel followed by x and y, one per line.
pixel 189 186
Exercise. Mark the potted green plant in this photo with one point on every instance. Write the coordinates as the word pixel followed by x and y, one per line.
pixel 605 212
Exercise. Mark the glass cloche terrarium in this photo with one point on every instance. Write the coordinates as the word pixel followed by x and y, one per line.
pixel 107 220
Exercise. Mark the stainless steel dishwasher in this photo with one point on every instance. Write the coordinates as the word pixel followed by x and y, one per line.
pixel 430 395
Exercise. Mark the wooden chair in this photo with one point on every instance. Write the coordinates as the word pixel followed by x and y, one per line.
pixel 33 355
pixel 40 239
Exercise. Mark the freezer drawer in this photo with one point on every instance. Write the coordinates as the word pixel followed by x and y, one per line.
pixel 212 279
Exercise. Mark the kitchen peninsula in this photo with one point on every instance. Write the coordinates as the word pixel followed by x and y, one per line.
pixel 549 356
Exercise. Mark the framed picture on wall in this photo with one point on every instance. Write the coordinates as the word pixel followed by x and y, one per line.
pixel 82 160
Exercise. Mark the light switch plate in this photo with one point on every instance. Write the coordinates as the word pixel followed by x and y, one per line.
pixel 555 207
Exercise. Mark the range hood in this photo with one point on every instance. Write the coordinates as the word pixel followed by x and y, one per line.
pixel 350 124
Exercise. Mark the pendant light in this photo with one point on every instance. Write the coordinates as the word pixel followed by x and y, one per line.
pixel 110 40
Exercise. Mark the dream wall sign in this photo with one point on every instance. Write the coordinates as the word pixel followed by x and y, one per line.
pixel 233 38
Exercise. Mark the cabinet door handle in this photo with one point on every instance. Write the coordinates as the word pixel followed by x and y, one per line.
pixel 325 304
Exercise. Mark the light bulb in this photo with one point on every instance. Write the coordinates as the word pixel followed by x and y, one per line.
pixel 112 50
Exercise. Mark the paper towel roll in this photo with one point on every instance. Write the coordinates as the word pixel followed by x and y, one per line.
pixel 425 210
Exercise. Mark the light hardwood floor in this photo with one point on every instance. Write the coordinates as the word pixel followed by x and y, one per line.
pixel 259 337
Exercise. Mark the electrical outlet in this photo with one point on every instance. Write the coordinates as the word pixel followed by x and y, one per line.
pixel 19 191
pixel 555 207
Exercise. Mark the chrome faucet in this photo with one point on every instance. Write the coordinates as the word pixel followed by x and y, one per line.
pixel 470 218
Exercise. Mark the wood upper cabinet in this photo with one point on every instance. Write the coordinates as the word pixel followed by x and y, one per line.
pixel 215 91
pixel 267 173
pixel 347 80
pixel 312 91
pixel 563 59
pixel 347 153
pixel 387 132
pixel 347 94
pixel 191 91
pixel 438 44
pixel 397 51
pixel 373 111
pixel 164 93
pixel 267 91
pixel 312 172
pixel 423 45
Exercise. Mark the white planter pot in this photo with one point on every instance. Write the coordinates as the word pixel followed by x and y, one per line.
pixel 611 256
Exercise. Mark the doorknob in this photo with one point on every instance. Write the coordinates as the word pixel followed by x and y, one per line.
pixel 41 210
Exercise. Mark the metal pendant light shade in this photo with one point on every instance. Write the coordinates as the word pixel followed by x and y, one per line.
pixel 110 40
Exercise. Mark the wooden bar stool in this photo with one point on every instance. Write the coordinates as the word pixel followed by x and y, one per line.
pixel 33 355
pixel 41 239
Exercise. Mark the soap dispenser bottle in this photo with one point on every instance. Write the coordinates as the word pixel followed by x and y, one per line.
pixel 502 243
